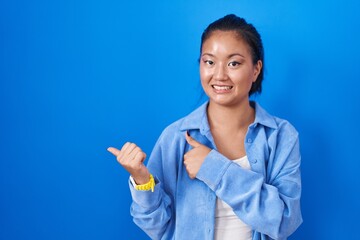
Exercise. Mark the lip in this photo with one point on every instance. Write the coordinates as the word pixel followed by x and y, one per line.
pixel 221 88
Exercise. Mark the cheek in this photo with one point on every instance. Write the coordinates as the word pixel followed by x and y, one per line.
pixel 204 75
pixel 204 80
pixel 242 79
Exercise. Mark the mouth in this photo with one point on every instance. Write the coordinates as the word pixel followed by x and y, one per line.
pixel 222 87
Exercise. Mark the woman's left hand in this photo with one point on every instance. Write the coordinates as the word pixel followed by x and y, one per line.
pixel 194 158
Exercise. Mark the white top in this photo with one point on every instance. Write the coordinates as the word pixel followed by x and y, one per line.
pixel 228 226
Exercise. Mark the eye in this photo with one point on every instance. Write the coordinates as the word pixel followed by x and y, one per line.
pixel 233 64
pixel 209 62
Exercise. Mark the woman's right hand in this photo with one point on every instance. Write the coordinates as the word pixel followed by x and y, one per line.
pixel 132 158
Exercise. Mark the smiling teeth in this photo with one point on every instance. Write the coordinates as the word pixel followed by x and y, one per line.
pixel 222 87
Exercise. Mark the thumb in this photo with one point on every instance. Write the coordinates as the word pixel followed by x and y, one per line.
pixel 191 140
pixel 114 151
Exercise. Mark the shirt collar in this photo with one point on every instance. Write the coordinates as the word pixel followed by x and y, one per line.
pixel 198 118
pixel 262 117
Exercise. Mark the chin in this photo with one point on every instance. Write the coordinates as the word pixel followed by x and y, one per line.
pixel 222 102
pixel 228 102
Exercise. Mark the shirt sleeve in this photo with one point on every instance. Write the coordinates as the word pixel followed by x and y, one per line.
pixel 271 205
pixel 151 211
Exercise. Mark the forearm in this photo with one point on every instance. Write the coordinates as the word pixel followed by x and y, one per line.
pixel 262 206
pixel 151 210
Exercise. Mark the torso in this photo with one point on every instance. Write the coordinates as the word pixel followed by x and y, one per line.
pixel 229 133
pixel 230 143
pixel 228 226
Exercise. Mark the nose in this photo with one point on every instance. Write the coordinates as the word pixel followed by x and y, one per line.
pixel 220 72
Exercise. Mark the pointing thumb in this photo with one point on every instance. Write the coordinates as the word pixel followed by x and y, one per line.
pixel 191 140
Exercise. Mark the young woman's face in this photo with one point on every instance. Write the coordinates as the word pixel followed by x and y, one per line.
pixel 226 68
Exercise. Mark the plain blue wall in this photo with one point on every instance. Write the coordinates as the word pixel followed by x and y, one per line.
pixel 79 76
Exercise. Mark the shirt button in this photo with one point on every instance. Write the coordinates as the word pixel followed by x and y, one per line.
pixel 249 140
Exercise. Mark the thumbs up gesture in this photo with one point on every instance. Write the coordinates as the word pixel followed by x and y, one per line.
pixel 194 158
pixel 131 157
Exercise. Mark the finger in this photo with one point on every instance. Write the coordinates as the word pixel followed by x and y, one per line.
pixel 122 151
pixel 125 146
pixel 128 148
pixel 114 151
pixel 133 153
pixel 191 141
pixel 140 157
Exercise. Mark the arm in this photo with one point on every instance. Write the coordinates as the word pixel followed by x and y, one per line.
pixel 271 207
pixel 151 211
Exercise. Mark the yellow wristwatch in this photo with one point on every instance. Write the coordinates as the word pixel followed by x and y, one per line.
pixel 150 185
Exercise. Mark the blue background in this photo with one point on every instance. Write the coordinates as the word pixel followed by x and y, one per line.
pixel 79 76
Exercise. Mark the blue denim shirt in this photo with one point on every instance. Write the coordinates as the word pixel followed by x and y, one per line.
pixel 267 197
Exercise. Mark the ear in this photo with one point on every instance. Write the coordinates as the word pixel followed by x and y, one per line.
pixel 257 69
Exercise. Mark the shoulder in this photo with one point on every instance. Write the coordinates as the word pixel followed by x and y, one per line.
pixel 273 123
pixel 194 120
pixel 285 127
pixel 172 130
pixel 285 138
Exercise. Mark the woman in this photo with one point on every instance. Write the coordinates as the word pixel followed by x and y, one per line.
pixel 228 170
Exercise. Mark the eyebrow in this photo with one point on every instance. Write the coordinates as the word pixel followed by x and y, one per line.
pixel 236 54
pixel 230 56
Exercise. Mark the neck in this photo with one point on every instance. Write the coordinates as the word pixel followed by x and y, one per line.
pixel 230 118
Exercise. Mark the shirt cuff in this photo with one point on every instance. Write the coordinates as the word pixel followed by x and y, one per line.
pixel 133 181
pixel 145 198
pixel 213 169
